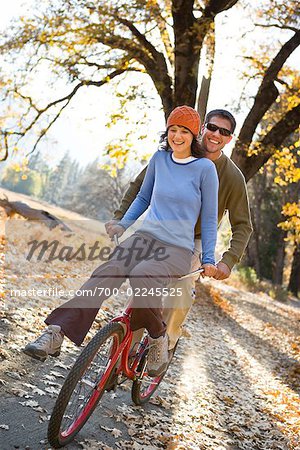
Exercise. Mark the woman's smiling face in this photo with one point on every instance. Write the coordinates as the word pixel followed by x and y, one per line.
pixel 180 140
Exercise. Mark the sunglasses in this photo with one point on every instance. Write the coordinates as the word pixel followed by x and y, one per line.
pixel 213 127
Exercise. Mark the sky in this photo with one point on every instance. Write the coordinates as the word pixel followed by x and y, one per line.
pixel 81 130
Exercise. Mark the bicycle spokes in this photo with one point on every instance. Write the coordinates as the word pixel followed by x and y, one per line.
pixel 90 384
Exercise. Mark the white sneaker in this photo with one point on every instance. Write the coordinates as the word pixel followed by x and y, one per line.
pixel 49 343
pixel 158 356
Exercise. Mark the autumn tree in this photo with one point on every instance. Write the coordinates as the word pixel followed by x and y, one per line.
pixel 272 73
pixel 89 43
pixel 274 194
pixel 274 190
pixel 28 183
pixel 58 180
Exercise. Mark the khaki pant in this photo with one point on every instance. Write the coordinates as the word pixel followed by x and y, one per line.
pixel 174 311
pixel 174 317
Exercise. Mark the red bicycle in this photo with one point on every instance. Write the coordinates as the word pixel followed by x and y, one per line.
pixel 104 363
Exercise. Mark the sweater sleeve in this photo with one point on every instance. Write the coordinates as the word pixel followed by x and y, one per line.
pixel 143 198
pixel 240 221
pixel 209 214
pixel 130 195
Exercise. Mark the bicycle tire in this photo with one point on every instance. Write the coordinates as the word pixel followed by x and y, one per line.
pixel 57 435
pixel 138 395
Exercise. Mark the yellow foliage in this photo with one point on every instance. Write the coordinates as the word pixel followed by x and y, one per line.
pixel 21 167
pixel 286 166
pixel 113 172
pixel 292 224
pixel 118 154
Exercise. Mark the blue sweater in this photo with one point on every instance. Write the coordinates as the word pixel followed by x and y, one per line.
pixel 176 193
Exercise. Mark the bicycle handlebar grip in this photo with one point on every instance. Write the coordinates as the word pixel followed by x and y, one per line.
pixel 116 240
pixel 192 274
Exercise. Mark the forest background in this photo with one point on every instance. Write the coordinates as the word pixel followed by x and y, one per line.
pixel 138 60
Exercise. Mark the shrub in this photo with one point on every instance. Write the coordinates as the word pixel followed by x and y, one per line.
pixel 247 276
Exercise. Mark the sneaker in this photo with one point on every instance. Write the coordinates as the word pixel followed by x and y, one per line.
pixel 158 356
pixel 49 343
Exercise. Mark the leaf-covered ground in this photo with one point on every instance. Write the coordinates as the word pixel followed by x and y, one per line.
pixel 234 382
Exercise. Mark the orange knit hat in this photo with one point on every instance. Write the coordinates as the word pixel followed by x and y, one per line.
pixel 187 117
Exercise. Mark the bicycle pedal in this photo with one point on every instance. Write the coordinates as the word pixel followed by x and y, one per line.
pixel 112 384
pixel 111 387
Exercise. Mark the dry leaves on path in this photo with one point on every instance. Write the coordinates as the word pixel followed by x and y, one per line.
pixel 234 382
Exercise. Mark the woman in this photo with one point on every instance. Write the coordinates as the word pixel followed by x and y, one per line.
pixel 179 183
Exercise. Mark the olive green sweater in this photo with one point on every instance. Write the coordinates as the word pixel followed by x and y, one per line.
pixel 232 198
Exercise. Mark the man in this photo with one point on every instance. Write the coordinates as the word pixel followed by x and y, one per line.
pixel 216 132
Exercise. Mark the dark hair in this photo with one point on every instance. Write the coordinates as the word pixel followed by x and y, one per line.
pixel 223 113
pixel 196 146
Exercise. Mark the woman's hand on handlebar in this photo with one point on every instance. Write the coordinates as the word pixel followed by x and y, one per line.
pixel 110 224
pixel 115 230
pixel 209 270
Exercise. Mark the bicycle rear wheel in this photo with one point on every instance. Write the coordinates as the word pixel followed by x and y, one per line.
pixel 84 385
pixel 144 387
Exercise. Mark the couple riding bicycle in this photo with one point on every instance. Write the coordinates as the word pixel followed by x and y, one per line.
pixel 180 184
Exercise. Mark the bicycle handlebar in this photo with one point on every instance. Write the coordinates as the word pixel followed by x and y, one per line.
pixel 192 274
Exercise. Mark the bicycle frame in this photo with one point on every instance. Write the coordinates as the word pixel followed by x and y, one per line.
pixel 124 347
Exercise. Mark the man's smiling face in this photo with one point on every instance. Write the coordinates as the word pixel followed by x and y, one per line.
pixel 212 141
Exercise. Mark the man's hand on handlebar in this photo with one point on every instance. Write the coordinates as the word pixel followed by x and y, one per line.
pixel 223 271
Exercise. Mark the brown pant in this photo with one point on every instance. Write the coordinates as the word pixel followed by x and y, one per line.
pixel 150 266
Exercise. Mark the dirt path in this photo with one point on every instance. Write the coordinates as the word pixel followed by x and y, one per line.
pixel 234 383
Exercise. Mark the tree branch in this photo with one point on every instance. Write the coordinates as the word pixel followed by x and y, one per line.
pixel 4 157
pixel 162 26
pixel 281 27
pixel 266 95
pixel 271 142
pixel 65 99
pixel 153 61
pixel 214 7
pixel 140 37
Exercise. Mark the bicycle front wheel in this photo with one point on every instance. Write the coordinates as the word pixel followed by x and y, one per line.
pixel 144 386
pixel 84 385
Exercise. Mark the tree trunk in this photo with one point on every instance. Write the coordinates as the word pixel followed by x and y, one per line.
pixel 48 219
pixel 265 97
pixel 206 79
pixel 256 192
pixel 189 34
pixel 254 250
pixel 250 165
pixel 278 265
pixel 294 282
